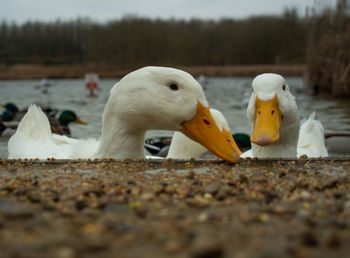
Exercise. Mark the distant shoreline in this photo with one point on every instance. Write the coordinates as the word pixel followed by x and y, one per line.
pixel 22 72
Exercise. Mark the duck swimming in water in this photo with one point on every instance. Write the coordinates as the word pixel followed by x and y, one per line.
pixel 146 99
pixel 276 130
pixel 60 125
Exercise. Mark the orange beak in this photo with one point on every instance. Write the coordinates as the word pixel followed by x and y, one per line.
pixel 268 120
pixel 202 128
pixel 79 121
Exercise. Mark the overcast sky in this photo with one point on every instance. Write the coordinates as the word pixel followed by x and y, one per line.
pixel 104 10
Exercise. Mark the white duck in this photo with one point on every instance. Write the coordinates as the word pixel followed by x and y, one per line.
pixel 182 147
pixel 273 113
pixel 146 99
pixel 311 140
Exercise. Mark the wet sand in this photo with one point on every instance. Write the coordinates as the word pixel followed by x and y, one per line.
pixel 258 208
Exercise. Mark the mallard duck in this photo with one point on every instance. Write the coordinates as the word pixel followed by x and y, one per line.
pixel 148 98
pixel 11 112
pixel 7 128
pixel 6 125
pixel 61 125
pixel 182 147
pixel 273 113
pixel 59 122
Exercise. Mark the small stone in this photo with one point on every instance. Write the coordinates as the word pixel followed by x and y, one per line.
pixel 148 196
pixel 212 188
pixel 333 241
pixel 347 206
pixel 172 247
pixel 208 196
pixel 203 217
pixel 170 189
pixel 141 211
pixel 191 175
pixel 223 192
pixel 80 204
pixel 34 197
pixel 331 183
pixel 303 213
pixel 127 228
pixel 93 228
pixel 134 205
pixel 263 217
pixel 66 252
pixel 302 160
pixel 309 239
pixel 243 178
pixel 197 202
pixel 14 210
pixel 207 247
pixel 305 195
pixel 306 206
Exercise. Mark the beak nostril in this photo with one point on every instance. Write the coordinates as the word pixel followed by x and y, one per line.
pixel 228 140
pixel 206 121
pixel 272 112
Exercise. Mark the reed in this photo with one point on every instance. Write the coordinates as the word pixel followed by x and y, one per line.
pixel 328 61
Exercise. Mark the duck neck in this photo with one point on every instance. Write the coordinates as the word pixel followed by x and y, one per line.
pixel 182 147
pixel 286 147
pixel 119 142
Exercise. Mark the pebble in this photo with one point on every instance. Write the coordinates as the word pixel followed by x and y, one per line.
pixel 212 188
pixel 141 211
pixel 148 196
pixel 206 247
pixel 65 252
pixel 173 247
pixel 347 206
pixel 333 240
pixel 14 210
pixel 34 197
pixel 309 239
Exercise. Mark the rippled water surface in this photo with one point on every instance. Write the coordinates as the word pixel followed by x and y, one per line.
pixel 229 95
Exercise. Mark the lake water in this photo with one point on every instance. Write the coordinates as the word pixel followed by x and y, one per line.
pixel 229 95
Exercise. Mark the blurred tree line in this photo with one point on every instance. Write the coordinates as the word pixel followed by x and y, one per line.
pixel 134 41
pixel 328 51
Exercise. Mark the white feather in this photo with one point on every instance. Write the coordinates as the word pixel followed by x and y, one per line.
pixel 311 138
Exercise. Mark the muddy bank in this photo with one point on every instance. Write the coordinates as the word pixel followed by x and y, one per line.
pixel 18 72
pixel 175 209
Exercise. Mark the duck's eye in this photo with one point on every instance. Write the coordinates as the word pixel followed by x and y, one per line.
pixel 284 87
pixel 173 86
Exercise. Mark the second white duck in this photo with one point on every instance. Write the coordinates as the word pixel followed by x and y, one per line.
pixel 273 113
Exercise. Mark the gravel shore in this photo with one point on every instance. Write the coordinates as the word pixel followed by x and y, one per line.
pixel 258 208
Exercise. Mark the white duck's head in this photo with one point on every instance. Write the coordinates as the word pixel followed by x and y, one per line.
pixel 272 110
pixel 166 99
